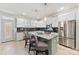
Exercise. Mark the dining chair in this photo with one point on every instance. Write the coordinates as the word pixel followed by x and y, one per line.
pixel 38 46
pixel 32 44
pixel 26 38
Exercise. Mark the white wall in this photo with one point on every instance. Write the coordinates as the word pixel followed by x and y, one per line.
pixel 53 21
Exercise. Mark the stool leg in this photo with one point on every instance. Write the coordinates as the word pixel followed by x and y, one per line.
pixel 29 48
pixel 36 52
pixel 46 52
pixel 25 43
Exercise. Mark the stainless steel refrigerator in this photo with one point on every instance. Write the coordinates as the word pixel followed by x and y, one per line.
pixel 77 34
pixel 68 38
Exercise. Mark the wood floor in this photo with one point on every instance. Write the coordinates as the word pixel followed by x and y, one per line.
pixel 66 51
pixel 17 48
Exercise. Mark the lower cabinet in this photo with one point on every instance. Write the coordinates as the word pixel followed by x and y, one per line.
pixel 20 36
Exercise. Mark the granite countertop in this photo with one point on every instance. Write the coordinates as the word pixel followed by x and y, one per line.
pixel 44 35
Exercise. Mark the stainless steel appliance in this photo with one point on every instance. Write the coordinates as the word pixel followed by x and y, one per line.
pixel 61 32
pixel 67 35
pixel 77 34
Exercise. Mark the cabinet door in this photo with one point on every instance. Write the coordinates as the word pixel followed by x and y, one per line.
pixel 40 24
pixel 53 21
pixel 69 16
pixel 66 16
pixel 77 14
pixel 20 36
pixel 20 22
pixel 60 18
pixel 33 23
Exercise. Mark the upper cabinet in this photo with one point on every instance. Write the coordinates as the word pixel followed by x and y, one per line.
pixel 77 14
pixel 29 23
pixel 66 16
pixel 32 23
pixel 25 22
pixel 40 23
pixel 20 22
pixel 53 21
pixel 69 16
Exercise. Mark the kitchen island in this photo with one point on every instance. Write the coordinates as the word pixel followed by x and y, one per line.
pixel 50 38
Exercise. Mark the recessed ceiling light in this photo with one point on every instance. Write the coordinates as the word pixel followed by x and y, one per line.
pixel 23 13
pixel 61 8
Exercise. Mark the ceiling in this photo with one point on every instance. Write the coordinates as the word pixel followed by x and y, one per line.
pixel 35 10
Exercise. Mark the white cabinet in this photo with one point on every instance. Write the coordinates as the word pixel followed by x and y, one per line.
pixel 60 18
pixel 20 22
pixel 43 24
pixel 53 21
pixel 40 23
pixel 77 14
pixel 32 23
pixel 66 16
pixel 27 23
pixel 69 16
pixel 20 35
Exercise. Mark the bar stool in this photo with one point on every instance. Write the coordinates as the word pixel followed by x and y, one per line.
pixel 26 38
pixel 38 46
